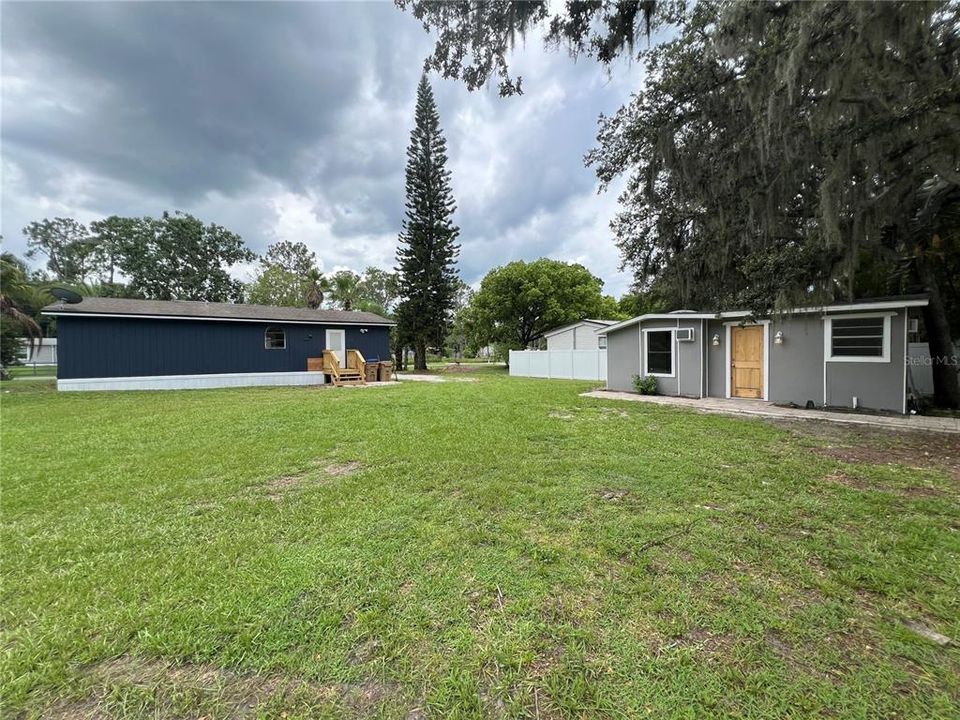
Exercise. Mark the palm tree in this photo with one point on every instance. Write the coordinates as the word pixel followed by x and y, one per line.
pixel 318 285
pixel 14 286
pixel 346 285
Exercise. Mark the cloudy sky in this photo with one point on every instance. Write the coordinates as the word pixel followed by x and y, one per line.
pixel 289 121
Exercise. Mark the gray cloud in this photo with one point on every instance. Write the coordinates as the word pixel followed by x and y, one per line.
pixel 290 121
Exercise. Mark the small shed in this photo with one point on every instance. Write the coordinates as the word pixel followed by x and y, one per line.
pixel 123 344
pixel 580 335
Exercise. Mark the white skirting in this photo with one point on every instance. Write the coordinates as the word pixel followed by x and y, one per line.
pixel 191 382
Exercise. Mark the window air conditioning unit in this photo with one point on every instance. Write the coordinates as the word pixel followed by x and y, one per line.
pixel 684 334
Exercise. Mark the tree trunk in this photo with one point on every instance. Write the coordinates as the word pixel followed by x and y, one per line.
pixel 946 384
pixel 420 354
pixel 398 357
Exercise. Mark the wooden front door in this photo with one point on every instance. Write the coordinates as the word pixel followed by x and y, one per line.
pixel 746 361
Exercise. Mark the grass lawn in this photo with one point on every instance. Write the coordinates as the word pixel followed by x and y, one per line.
pixel 494 548
pixel 29 371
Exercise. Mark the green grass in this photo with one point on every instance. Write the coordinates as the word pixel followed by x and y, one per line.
pixel 497 548
pixel 28 371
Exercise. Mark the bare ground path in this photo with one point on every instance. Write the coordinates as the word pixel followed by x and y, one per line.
pixel 769 410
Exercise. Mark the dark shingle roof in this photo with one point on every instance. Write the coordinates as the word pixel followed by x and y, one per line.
pixel 212 311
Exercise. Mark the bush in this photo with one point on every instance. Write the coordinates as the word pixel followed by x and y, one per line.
pixel 645 385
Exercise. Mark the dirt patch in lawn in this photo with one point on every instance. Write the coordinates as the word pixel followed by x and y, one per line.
pixel 341 469
pixel 277 487
pixel 840 477
pixel 454 368
pixel 876 446
pixel 613 412
pixel 168 690
pixel 696 639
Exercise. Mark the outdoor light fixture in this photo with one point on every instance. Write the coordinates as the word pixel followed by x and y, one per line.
pixel 778 338
pixel 716 339
pixel 362 330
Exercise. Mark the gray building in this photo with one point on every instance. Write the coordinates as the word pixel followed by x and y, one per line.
pixel 43 351
pixel 844 355
pixel 581 335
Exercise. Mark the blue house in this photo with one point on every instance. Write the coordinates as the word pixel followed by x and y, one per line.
pixel 121 344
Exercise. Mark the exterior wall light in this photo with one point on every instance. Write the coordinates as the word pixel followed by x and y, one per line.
pixel 716 339
pixel 778 338
pixel 363 330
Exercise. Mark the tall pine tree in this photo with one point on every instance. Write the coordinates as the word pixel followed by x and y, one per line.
pixel 427 255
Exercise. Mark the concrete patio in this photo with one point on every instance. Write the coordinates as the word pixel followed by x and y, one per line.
pixel 763 409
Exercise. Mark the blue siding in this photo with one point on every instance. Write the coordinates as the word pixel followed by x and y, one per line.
pixel 96 347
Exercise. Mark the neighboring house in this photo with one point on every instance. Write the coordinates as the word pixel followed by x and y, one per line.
pixel 44 351
pixel 113 343
pixel 578 336
pixel 844 355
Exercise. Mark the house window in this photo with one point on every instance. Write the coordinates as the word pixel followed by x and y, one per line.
pixel 658 355
pixel 274 338
pixel 859 339
pixel 602 342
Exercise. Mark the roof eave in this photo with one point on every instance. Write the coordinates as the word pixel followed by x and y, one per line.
pixel 376 323
pixel 825 309
pixel 564 328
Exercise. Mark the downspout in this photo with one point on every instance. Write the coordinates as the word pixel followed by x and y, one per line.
pixel 702 346
pixel 676 349
pixel 906 347
pixel 826 345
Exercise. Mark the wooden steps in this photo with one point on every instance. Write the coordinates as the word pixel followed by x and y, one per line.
pixel 352 374
pixel 349 377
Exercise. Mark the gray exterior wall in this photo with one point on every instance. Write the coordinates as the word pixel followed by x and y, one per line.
pixel 578 337
pixel 623 358
pixel 561 341
pixel 795 368
pixel 586 336
pixel 715 360
pixel 876 385
pixel 688 358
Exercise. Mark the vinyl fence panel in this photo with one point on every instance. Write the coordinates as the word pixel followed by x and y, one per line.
pixel 559 364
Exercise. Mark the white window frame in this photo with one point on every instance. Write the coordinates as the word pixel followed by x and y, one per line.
pixel 828 355
pixel 282 329
pixel 673 352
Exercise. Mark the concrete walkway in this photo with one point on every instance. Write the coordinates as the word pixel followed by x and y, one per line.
pixel 769 410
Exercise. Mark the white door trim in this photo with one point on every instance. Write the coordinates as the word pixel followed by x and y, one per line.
pixel 343 345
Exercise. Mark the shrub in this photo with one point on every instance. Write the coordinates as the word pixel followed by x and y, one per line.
pixel 645 385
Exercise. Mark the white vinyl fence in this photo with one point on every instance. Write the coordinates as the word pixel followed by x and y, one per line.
pixel 559 364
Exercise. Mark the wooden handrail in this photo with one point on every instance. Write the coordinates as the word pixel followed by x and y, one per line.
pixel 331 364
pixel 355 360
pixel 354 368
